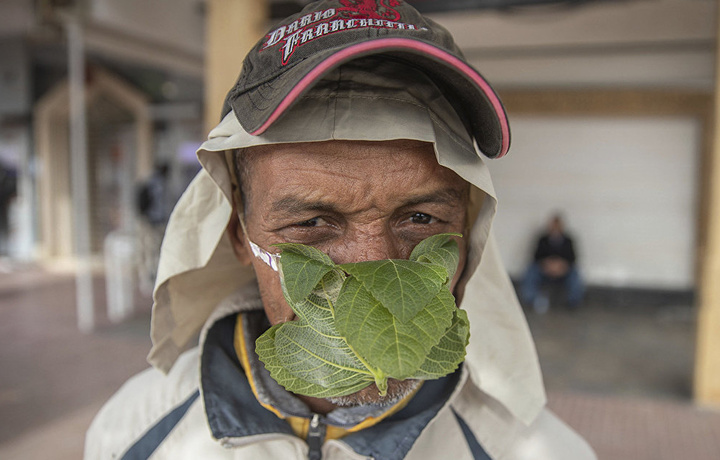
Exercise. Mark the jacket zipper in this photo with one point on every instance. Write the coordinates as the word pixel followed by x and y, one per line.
pixel 315 438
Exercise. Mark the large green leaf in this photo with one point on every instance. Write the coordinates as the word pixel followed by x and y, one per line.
pixel 265 348
pixel 404 287
pixel 325 361
pixel 307 266
pixel 310 349
pixel 445 357
pixel 398 348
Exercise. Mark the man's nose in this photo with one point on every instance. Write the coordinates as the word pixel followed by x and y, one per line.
pixel 361 247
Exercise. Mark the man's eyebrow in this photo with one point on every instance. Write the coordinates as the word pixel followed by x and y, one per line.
pixel 449 196
pixel 292 205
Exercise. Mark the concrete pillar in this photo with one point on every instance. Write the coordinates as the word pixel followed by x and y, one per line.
pixel 232 28
pixel 707 357
pixel 79 175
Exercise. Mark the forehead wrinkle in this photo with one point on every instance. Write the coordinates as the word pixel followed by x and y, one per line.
pixel 450 196
pixel 293 205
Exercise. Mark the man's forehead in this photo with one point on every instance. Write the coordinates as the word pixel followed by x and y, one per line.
pixel 263 161
pixel 346 160
pixel 396 173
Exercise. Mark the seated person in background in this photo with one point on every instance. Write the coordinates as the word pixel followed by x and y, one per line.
pixel 554 260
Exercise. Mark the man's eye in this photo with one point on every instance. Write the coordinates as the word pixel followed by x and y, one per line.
pixel 421 218
pixel 314 222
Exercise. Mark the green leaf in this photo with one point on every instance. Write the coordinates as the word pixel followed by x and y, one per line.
pixel 398 348
pixel 447 355
pixel 310 350
pixel 307 266
pixel 404 287
pixel 265 348
pixel 325 361
pixel 440 249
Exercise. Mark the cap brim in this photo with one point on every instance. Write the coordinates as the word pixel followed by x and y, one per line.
pixel 468 92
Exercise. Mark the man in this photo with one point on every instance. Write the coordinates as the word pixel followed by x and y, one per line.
pixel 352 130
pixel 154 206
pixel 553 261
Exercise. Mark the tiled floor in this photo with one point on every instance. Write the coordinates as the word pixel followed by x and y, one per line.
pixel 619 374
pixel 53 377
pixel 622 428
pixel 620 370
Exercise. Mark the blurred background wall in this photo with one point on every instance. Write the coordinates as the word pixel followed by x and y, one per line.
pixel 626 178
pixel 144 100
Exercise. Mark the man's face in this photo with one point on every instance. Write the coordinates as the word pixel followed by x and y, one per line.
pixel 555 226
pixel 353 200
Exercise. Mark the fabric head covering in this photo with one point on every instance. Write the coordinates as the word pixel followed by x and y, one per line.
pixel 375 100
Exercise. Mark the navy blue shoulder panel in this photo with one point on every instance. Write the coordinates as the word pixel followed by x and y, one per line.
pixel 146 445
pixel 475 447
pixel 230 404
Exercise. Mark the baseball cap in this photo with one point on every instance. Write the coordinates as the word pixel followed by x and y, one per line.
pixel 300 50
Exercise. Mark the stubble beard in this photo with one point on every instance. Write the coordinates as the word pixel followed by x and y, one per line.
pixel 397 390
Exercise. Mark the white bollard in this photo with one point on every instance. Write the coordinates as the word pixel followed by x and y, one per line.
pixel 120 275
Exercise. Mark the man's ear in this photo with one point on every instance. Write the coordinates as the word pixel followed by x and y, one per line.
pixel 237 239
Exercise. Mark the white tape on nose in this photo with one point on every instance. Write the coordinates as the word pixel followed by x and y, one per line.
pixel 270 259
